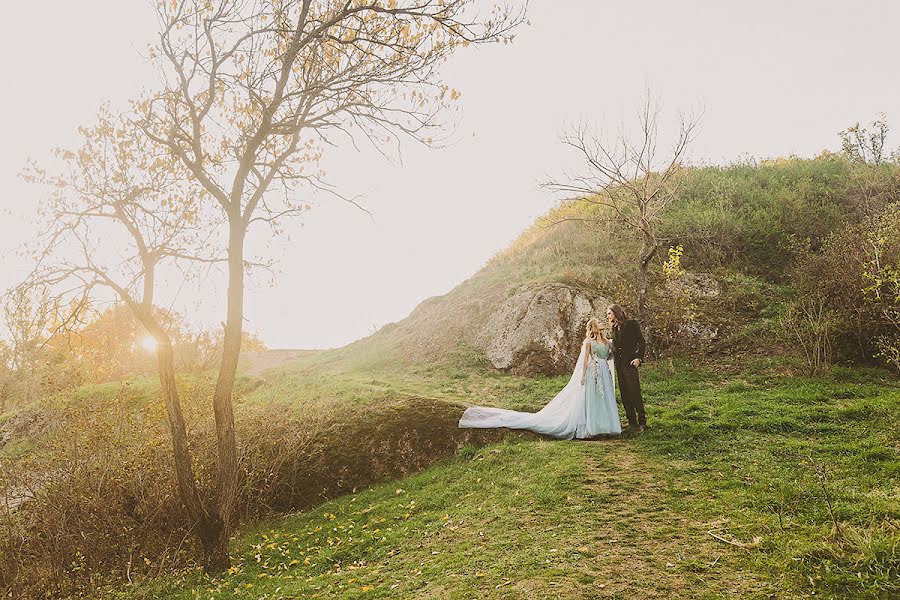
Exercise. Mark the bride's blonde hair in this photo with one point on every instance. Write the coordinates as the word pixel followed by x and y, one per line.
pixel 594 330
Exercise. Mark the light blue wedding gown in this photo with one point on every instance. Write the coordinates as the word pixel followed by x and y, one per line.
pixel 577 411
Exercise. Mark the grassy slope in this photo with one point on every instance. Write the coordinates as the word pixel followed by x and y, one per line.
pixel 743 223
pixel 727 453
pixel 733 451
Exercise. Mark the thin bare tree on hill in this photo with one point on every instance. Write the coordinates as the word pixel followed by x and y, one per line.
pixel 632 177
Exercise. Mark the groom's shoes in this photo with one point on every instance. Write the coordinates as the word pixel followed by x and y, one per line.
pixel 633 430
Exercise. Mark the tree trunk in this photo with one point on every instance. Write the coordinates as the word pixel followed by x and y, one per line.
pixel 208 527
pixel 222 397
pixel 184 470
pixel 648 251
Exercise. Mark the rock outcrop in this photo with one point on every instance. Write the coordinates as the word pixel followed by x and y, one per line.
pixel 538 329
pixel 694 292
pixel 694 286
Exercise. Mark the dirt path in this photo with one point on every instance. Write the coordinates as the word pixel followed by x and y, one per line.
pixel 645 543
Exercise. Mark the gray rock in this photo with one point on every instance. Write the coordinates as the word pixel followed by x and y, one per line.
pixel 693 285
pixel 696 331
pixel 539 329
pixel 693 290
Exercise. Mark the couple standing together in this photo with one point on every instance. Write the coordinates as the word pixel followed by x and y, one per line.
pixel 586 406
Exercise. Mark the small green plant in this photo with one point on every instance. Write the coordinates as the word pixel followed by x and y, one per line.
pixel 673 306
pixel 672 266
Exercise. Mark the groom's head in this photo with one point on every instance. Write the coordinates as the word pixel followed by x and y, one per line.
pixel 616 314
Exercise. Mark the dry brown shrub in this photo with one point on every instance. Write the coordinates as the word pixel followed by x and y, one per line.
pixel 101 505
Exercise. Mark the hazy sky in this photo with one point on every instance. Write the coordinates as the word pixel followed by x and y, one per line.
pixel 775 77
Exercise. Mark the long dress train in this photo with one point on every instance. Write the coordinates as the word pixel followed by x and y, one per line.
pixel 577 411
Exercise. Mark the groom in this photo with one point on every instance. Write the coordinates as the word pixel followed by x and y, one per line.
pixel 628 353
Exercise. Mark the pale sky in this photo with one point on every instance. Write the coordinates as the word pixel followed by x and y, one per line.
pixel 775 78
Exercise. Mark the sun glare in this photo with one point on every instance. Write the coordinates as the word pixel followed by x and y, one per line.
pixel 149 344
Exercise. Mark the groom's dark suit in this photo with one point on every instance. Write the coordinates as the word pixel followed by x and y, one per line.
pixel 629 344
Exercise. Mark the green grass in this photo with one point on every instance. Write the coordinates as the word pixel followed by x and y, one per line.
pixel 370 373
pixel 777 450
pixel 726 495
pixel 535 519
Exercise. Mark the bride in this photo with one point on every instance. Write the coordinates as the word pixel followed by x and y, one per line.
pixel 586 407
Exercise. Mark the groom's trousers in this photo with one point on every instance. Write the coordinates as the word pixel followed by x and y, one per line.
pixel 630 389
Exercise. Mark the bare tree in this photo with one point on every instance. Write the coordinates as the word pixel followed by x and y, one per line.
pixel 254 92
pixel 631 177
pixel 119 208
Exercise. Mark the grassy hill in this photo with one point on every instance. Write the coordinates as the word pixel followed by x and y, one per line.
pixel 751 485
pixel 749 225
pixel 752 481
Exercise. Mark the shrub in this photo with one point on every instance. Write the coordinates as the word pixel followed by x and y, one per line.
pixel 809 324
pixel 100 500
pixel 881 280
